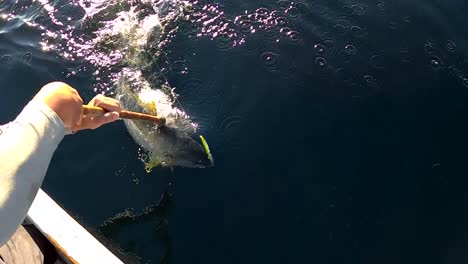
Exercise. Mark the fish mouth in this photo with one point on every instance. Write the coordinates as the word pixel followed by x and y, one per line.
pixel 206 148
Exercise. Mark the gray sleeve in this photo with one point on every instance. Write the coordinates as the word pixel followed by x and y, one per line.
pixel 26 148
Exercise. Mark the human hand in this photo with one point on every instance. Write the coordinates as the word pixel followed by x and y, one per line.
pixel 92 122
pixel 63 100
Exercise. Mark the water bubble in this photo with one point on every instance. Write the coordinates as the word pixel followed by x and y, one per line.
pixel 451 46
pixel 339 29
pixel 357 31
pixel 26 58
pixel 292 12
pixel 381 6
pixel 293 36
pixel 377 62
pixel 321 63
pixel 270 60
pixel 262 12
pixel 281 21
pixel 285 30
pixel 436 63
pixel 351 49
pixel 320 49
pixel 371 81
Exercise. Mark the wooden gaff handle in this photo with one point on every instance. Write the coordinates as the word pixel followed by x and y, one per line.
pixel 98 111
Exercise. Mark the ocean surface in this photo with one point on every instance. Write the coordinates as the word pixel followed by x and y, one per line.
pixel 339 128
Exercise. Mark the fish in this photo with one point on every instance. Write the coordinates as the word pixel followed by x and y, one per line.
pixel 134 36
pixel 170 145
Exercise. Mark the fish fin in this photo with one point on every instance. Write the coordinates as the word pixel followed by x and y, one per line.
pixel 152 163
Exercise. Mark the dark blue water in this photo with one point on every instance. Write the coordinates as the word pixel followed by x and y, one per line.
pixel 344 141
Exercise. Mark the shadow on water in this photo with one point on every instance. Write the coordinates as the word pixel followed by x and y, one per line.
pixel 154 219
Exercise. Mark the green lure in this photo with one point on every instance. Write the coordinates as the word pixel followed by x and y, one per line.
pixel 206 148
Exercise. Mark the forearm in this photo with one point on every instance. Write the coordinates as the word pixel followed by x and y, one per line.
pixel 26 148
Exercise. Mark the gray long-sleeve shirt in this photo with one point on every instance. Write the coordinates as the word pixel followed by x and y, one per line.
pixel 26 148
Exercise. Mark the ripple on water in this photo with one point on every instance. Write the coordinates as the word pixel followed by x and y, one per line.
pixel 360 9
pixel 371 82
pixel 344 56
pixel 339 29
pixel 392 25
pixel 405 56
pixel 270 60
pixel 357 31
pixel 253 45
pixel 224 41
pixel 429 48
pixel 191 87
pixel 464 82
pixel 179 67
pixel 351 49
pixel 321 64
pixel 293 36
pixel 377 62
pixel 436 62
pixel 244 23
pixel 292 12
pixel 272 34
pixel 281 21
pixel 202 98
pixel 5 60
pixel 451 46
pixel 26 58
pixel 230 129
pixel 320 49
pixel 344 22
pixel 347 11
pixel 289 34
pixel 261 13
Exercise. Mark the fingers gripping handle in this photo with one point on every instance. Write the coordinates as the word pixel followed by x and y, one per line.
pixel 98 111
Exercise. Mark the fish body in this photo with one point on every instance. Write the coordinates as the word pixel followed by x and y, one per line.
pixel 170 145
